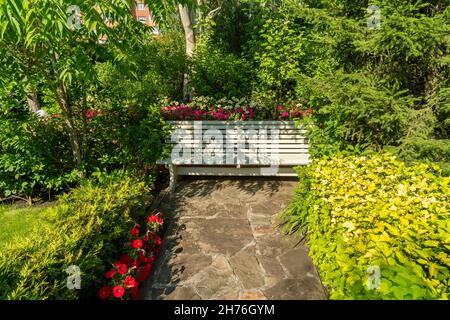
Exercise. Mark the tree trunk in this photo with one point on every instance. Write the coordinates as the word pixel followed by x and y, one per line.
pixel 188 29
pixel 71 129
pixel 63 101
pixel 190 43
pixel 33 101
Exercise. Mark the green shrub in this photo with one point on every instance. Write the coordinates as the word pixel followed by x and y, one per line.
pixel 120 137
pixel 432 150
pixel 277 48
pixel 365 211
pixel 90 227
pixel 34 160
pixel 219 74
pixel 152 70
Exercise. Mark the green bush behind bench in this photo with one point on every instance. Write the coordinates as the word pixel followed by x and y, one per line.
pixel 89 230
pixel 363 211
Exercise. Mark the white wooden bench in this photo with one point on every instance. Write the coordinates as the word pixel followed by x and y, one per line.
pixel 232 148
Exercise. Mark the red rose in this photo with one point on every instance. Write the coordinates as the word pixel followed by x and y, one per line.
pixel 105 293
pixel 110 274
pixel 135 232
pixel 130 282
pixel 155 219
pixel 147 268
pixel 134 293
pixel 150 260
pixel 136 244
pixel 90 114
pixel 121 268
pixel 118 292
pixel 136 264
pixel 146 238
pixel 143 276
pixel 125 259
pixel 158 241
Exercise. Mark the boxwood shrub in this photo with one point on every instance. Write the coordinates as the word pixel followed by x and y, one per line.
pixel 374 217
pixel 89 229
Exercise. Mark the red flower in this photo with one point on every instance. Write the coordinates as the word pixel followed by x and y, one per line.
pixel 147 267
pixel 130 282
pixel 118 292
pixel 134 293
pixel 280 107
pixel 126 260
pixel 155 219
pixel 90 114
pixel 110 274
pixel 137 244
pixel 158 241
pixel 143 276
pixel 146 238
pixel 121 268
pixel 105 293
pixel 135 232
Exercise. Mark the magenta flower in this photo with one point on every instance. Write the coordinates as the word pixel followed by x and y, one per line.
pixel 90 114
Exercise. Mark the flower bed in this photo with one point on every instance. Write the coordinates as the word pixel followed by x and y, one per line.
pixel 128 273
pixel 239 111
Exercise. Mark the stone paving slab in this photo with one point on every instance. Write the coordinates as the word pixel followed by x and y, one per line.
pixel 222 244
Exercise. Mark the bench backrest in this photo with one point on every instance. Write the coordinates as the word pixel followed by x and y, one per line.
pixel 239 143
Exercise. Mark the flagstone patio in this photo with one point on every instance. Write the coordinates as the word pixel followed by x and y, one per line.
pixel 222 244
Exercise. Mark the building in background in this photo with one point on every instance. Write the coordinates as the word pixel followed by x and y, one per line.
pixel 143 14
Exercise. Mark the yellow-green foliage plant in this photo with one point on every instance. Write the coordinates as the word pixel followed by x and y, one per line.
pixel 376 228
pixel 89 229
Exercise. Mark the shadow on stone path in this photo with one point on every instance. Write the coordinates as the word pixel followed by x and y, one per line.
pixel 221 244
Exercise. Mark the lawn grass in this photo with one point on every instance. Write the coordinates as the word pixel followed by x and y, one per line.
pixel 16 221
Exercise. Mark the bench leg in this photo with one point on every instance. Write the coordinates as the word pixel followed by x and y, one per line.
pixel 173 178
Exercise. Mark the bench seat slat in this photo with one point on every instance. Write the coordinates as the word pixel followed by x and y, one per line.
pixel 284 160
pixel 227 171
pixel 274 123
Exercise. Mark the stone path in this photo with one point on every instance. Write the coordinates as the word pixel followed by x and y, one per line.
pixel 221 244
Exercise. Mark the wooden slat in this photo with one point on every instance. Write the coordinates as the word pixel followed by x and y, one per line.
pixel 285 162
pixel 235 123
pixel 233 171
pixel 242 127
pixel 270 151
pixel 281 144
pixel 284 143
pixel 284 159
pixel 245 128
pixel 235 137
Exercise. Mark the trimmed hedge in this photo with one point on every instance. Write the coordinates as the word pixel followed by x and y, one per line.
pixel 368 212
pixel 90 228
